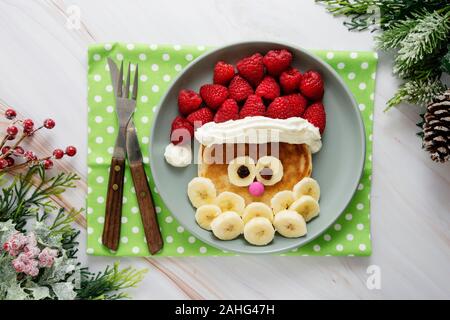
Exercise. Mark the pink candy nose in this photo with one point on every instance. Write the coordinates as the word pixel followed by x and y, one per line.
pixel 256 189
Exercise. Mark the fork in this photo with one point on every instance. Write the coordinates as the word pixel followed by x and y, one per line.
pixel 125 107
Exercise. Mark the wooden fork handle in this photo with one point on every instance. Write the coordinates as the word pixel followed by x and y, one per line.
pixel 146 207
pixel 114 198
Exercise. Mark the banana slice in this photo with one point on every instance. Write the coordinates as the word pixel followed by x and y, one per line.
pixel 227 225
pixel 257 209
pixel 307 206
pixel 205 214
pixel 269 170
pixel 290 224
pixel 307 187
pixel 201 191
pixel 230 201
pixel 282 201
pixel 241 171
pixel 259 231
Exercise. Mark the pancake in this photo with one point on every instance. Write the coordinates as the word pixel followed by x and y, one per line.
pixel 213 164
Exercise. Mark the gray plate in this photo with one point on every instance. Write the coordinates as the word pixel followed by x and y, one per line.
pixel 337 167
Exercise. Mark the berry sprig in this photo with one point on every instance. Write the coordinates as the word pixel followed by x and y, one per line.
pixel 16 132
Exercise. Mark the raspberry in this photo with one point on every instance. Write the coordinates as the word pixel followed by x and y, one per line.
pixel 239 89
pixel 290 80
pixel 297 103
pixel 268 88
pixel 280 109
pixel 213 95
pixel 200 117
pixel 229 110
pixel 311 85
pixel 223 73
pixel 49 123
pixel 252 68
pixel 71 151
pixel 254 106
pixel 182 131
pixel 316 115
pixel 276 61
pixel 188 101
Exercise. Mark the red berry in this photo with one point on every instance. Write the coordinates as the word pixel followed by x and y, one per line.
pixel 239 89
pixel 10 114
pixel 276 61
pixel 18 151
pixel 71 151
pixel 223 73
pixel 290 80
pixel 3 163
pixel 297 103
pixel 10 161
pixel 200 117
pixel 28 124
pixel 188 101
pixel 268 88
pixel 12 130
pixel 253 107
pixel 49 123
pixel 252 68
pixel 280 109
pixel 315 114
pixel 48 164
pixel 5 149
pixel 58 153
pixel 182 131
pixel 311 85
pixel 229 110
pixel 213 95
pixel 29 156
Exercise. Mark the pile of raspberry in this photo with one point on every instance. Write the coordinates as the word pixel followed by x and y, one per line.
pixel 259 86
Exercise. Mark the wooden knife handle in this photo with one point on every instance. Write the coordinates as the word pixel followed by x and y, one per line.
pixel 147 208
pixel 114 198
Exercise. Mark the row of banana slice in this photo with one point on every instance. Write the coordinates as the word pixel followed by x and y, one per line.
pixel 227 216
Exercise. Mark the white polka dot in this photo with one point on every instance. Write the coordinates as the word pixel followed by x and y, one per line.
pixel 135 229
pixel 360 226
pixel 327 237
pixel 90 210
pixel 373 75
pixel 97 77
pixel 166 78
pixel 359 206
pixel 108 46
pixel 351 75
pixel 98 99
pixel 203 250
pixel 130 46
pixel 155 108
pixel 180 229
pixel 110 109
pixel 348 216
pixel 100 179
pixel 98 119
pixel 89 169
pixel 144 99
pixel 166 57
pixel 110 129
pixel 144 119
pixel 180 250
pixel 375 55
pixel 119 57
pixel 178 67
pixel 371 117
pixel 101 220
pixel 177 47
pixel 316 248
pixel 360 186
pixel 362 86
pixel 145 140
pixel 107 67
pixel 153 46
pixel 339 247
pixel 100 200
pixel 330 55
pixel 89 251
pixel 124 239
pixel 89 190
pixel 362 106
pixel 364 65
pixel 158 209
pixel 97 57
pixel 135 250
pixel 132 68
pixel 110 150
pixel 337 227
pixel 189 57
pixel 99 160
pixel 155 189
pixel 124 220
pixel 191 239
pixel 146 159
pixel 155 88
pixel 370 137
pixel 169 219
pixel 125 199
pixel 201 48
pixel 90 230
pixel 99 140
pixel 362 247
pixel 144 78
pixel 155 67
pixel 109 88
pixel 169 239
pixel 353 55
pixel 134 210
pixel 341 65
pixel 349 237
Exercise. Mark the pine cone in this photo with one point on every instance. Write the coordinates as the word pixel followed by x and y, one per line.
pixel 436 128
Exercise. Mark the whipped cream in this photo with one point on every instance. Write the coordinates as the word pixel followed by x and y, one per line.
pixel 261 130
pixel 178 155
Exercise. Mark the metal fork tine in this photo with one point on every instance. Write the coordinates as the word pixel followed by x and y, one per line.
pixel 120 81
pixel 127 84
pixel 135 83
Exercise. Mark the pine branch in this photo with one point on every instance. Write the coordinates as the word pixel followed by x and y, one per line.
pixel 395 34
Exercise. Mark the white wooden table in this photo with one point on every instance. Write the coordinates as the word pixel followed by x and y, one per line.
pixel 43 73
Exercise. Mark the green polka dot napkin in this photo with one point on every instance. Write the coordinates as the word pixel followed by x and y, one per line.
pixel 158 65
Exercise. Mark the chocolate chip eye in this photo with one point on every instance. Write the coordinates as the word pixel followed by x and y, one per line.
pixel 266 173
pixel 243 172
